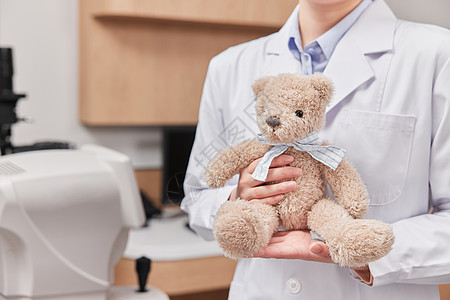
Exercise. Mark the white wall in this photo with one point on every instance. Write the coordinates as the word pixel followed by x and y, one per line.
pixel 44 35
pixel 423 11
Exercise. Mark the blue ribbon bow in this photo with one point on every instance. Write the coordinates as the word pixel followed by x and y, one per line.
pixel 329 155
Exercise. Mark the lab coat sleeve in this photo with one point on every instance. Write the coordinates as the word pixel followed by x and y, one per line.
pixel 200 202
pixel 421 252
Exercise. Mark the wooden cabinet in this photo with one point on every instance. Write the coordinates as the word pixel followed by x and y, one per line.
pixel 143 62
pixel 181 277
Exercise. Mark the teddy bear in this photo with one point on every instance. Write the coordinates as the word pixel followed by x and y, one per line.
pixel 290 110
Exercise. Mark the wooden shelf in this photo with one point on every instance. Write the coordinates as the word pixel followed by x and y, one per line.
pixel 144 62
pixel 255 13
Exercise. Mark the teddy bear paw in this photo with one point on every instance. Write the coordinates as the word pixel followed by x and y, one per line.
pixel 242 228
pixel 359 242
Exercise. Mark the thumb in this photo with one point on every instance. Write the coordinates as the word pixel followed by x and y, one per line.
pixel 317 248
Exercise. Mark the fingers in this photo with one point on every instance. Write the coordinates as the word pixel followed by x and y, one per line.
pixel 317 248
pixel 274 174
pixel 251 189
pixel 278 161
pixel 269 193
pixel 296 244
pixel 283 173
pixel 269 200
pixel 319 251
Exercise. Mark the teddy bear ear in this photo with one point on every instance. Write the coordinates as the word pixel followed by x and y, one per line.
pixel 324 86
pixel 259 84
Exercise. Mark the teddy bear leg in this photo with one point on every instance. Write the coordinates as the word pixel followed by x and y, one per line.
pixel 351 242
pixel 242 228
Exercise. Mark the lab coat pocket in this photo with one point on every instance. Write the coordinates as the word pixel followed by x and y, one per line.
pixel 379 146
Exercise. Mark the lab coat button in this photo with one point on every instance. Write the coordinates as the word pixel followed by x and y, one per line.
pixel 293 285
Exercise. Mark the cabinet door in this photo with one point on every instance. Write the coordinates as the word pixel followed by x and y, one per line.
pixel 144 62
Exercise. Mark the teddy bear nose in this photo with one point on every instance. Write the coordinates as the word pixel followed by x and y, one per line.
pixel 273 121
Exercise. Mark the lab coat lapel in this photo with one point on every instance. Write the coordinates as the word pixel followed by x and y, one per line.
pixel 349 67
pixel 278 58
pixel 280 63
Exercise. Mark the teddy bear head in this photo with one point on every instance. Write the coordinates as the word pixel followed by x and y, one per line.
pixel 291 106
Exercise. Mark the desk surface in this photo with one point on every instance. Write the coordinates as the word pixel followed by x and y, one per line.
pixel 182 262
pixel 167 238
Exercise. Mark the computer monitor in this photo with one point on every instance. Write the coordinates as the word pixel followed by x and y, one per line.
pixel 177 145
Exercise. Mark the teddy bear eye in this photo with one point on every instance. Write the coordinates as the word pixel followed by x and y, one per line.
pixel 299 113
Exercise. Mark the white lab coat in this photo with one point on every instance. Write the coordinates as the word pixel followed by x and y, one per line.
pixel 390 112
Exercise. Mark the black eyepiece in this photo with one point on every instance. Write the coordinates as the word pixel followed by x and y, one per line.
pixel 6 70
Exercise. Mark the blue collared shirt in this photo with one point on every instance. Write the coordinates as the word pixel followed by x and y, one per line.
pixel 315 56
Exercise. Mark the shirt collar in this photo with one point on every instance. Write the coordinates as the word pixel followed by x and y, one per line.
pixel 329 39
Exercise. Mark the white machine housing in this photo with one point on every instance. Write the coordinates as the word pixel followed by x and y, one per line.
pixel 64 221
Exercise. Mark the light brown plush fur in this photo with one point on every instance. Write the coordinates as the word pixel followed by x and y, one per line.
pixel 243 228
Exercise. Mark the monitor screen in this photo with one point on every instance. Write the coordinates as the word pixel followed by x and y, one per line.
pixel 177 144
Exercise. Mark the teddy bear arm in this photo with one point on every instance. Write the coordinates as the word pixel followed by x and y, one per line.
pixel 231 161
pixel 348 188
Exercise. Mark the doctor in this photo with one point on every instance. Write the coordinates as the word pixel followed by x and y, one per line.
pixel 390 112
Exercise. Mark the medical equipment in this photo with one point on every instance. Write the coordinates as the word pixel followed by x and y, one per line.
pixel 64 222
pixel 8 116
